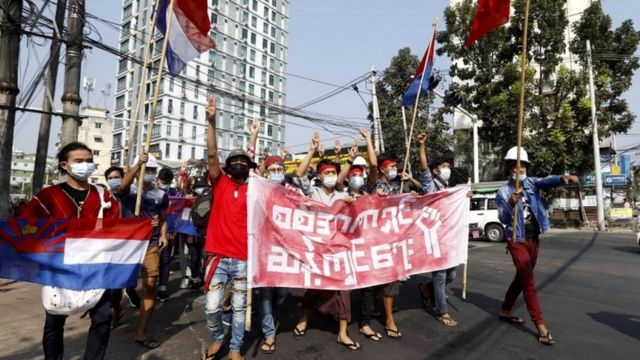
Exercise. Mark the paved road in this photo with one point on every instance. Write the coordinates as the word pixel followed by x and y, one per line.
pixel 588 285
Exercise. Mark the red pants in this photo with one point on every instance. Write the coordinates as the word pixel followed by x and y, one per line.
pixel 525 255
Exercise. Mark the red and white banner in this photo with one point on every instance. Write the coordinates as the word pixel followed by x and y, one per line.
pixel 294 242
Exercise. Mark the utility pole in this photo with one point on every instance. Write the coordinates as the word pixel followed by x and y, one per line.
pixel 10 20
pixel 376 113
pixel 71 98
pixel 40 166
pixel 596 143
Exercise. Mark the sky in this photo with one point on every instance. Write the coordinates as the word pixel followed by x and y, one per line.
pixel 333 41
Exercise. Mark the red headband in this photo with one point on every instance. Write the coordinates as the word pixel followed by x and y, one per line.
pixel 355 170
pixel 326 166
pixel 273 160
pixel 386 163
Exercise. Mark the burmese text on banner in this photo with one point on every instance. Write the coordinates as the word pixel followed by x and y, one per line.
pixel 295 242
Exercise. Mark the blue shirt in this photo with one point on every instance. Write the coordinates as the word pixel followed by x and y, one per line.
pixel 532 187
pixel 154 201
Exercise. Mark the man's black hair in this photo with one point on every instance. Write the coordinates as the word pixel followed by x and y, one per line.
pixel 63 154
pixel 511 163
pixel 437 162
pixel 384 157
pixel 323 162
pixel 112 169
pixel 166 175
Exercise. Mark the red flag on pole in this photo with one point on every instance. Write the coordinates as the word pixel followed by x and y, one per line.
pixel 490 14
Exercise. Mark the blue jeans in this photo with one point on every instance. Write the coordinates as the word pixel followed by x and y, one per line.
pixel 270 301
pixel 235 271
pixel 440 280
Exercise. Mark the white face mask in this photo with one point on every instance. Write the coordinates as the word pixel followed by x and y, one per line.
pixel 114 183
pixel 392 174
pixel 521 176
pixel 356 182
pixel 198 190
pixel 276 178
pixel 445 174
pixel 330 181
pixel 82 171
pixel 149 178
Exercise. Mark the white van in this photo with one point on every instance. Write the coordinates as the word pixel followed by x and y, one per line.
pixel 484 213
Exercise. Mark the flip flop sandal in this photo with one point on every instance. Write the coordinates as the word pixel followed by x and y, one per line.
pixel 353 346
pixel 375 336
pixel 546 339
pixel 446 320
pixel 268 348
pixel 297 332
pixel 148 343
pixel 207 356
pixel 397 333
pixel 511 319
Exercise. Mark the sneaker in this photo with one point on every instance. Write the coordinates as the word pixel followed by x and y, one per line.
pixel 163 296
pixel 185 283
pixel 134 299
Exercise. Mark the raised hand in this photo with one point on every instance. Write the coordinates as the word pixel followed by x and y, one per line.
pixel 315 142
pixel 337 147
pixel 353 153
pixel 254 129
pixel 421 138
pixel 210 111
pixel 365 133
pixel 321 151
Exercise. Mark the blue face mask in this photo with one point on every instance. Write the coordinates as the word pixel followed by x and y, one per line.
pixel 522 177
pixel 114 183
pixel 356 182
pixel 392 174
pixel 149 178
pixel 276 178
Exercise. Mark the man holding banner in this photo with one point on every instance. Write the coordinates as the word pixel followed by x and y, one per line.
pixel 334 302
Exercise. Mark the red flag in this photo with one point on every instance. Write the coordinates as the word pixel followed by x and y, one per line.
pixel 489 16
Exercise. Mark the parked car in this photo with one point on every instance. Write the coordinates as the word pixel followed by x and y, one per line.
pixel 484 215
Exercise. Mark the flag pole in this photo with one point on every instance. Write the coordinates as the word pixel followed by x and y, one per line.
pixel 415 106
pixel 523 67
pixel 154 104
pixel 133 124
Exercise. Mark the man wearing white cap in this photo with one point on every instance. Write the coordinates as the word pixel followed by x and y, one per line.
pixel 532 221
pixel 154 204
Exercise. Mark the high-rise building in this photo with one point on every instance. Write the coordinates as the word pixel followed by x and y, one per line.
pixel 246 71
pixel 95 132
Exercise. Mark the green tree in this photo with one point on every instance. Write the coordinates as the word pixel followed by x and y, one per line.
pixel 391 87
pixel 557 118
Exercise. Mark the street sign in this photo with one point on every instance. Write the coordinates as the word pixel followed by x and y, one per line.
pixel 615 180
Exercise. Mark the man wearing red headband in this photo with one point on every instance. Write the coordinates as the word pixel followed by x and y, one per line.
pixel 271 298
pixel 335 303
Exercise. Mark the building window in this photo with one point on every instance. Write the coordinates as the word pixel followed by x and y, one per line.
pixel 254 5
pixel 196 91
pixel 252 72
pixel 170 106
pixel 122 66
pixel 273 32
pixel 253 39
pixel 193 152
pixel 96 152
pixel 98 125
pixel 252 55
pixel 121 84
pixel 265 44
pixel 254 21
pixel 193 132
pixel 269 130
pixel 98 139
pixel 168 128
pixel 117 140
pixel 181 107
pixel 181 130
pixel 195 112
pixel 167 150
pixel 179 152
pixel 120 102
pixel 272 49
pixel 171 81
pixel 210 75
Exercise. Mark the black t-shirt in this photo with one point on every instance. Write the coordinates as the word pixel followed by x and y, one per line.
pixel 78 196
pixel 531 226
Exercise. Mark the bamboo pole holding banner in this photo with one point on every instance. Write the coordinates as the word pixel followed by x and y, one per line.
pixel 415 110
pixel 154 104
pixel 465 265
pixel 523 68
pixel 143 78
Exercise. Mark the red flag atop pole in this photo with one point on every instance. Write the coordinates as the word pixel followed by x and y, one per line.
pixel 490 15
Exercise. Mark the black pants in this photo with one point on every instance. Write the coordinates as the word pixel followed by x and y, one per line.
pixel 195 258
pixel 53 337
pixel 365 306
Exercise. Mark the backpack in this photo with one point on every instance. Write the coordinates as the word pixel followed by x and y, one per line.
pixel 200 212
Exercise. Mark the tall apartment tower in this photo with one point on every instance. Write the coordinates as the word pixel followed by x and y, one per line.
pixel 246 72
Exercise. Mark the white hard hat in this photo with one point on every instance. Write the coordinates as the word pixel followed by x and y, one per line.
pixel 512 154
pixel 360 161
pixel 151 162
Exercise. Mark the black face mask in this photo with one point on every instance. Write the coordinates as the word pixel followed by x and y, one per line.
pixel 237 170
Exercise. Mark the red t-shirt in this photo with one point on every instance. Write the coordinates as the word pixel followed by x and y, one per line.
pixel 53 202
pixel 227 229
